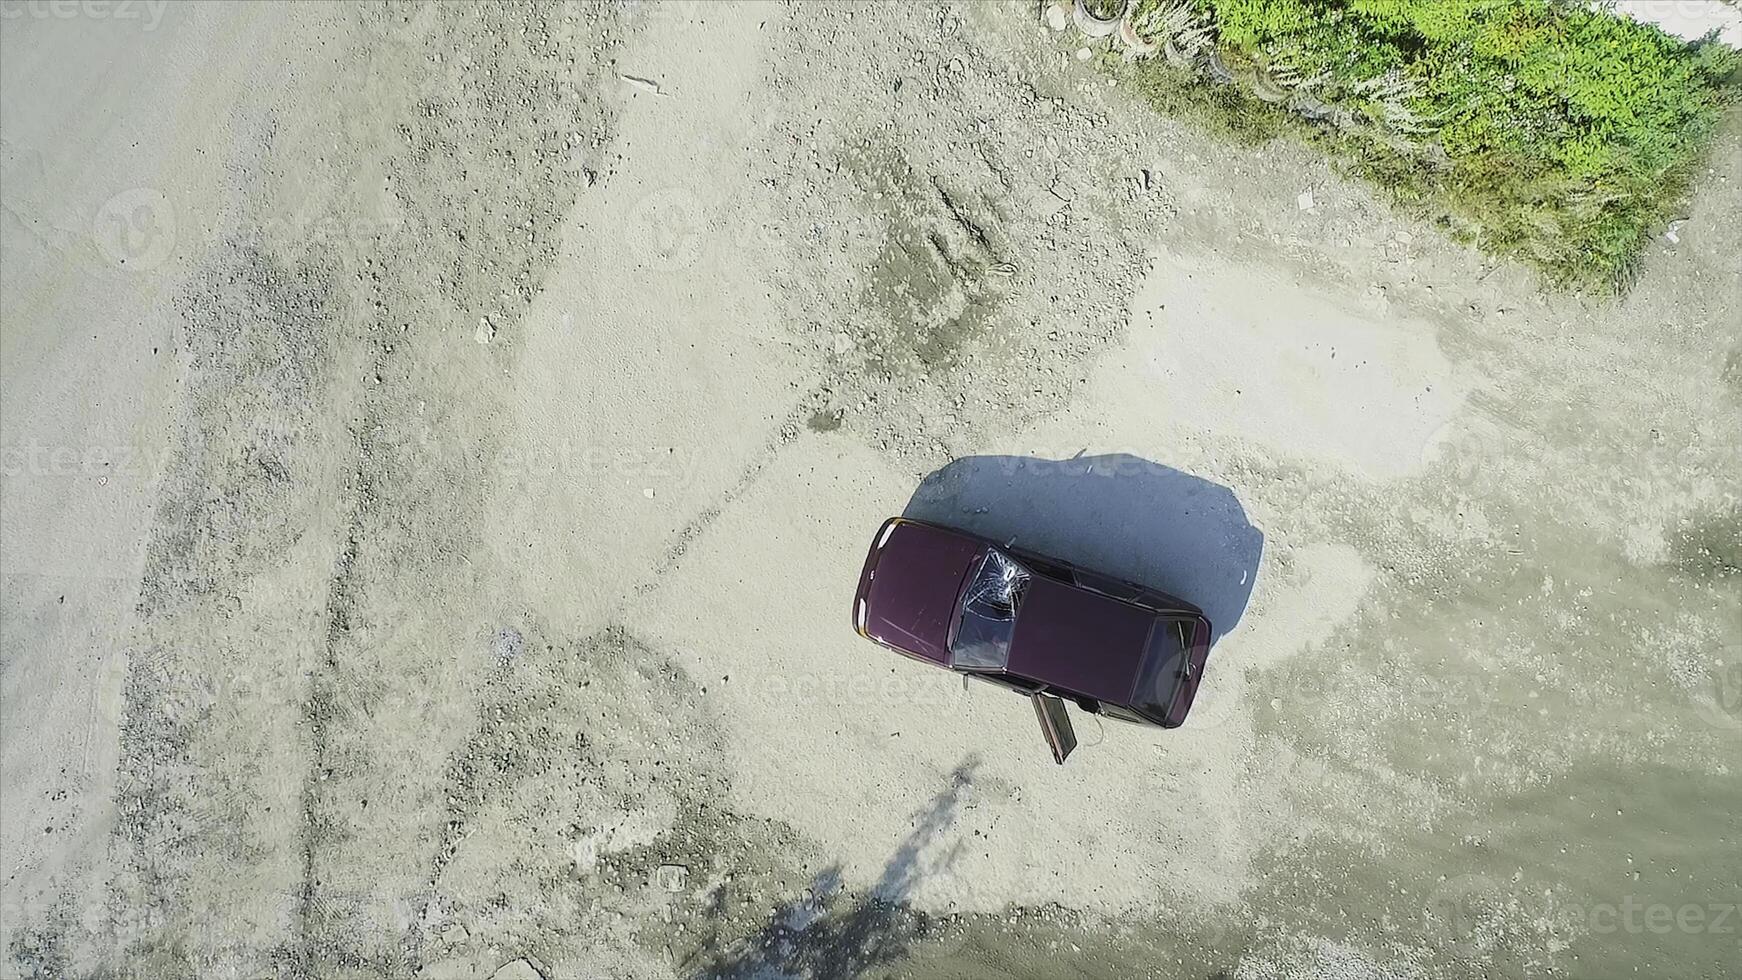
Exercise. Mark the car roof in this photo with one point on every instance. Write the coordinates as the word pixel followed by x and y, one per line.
pixel 1078 640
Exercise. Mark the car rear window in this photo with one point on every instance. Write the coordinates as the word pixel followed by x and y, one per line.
pixel 981 639
pixel 1164 666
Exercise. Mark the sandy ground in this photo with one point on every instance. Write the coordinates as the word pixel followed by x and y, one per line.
pixel 440 442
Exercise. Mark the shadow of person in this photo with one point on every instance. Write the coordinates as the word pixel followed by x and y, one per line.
pixel 831 934
pixel 1116 514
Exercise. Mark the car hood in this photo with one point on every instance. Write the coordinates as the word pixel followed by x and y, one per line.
pixel 1081 641
pixel 914 585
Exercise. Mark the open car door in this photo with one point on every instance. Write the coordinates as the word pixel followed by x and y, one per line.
pixel 1055 724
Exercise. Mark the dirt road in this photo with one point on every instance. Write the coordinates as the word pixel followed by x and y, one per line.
pixel 440 442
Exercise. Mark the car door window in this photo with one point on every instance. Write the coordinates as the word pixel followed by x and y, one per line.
pixel 1166 666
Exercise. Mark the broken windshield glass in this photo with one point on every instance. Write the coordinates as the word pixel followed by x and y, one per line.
pixel 982 635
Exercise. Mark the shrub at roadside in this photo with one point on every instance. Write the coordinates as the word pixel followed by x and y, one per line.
pixel 1547 130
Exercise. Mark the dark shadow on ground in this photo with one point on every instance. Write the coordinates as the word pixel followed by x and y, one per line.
pixel 833 934
pixel 1116 514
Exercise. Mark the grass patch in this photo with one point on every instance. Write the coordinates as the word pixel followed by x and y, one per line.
pixel 1550 131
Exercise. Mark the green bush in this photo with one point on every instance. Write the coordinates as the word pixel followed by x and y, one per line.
pixel 1550 130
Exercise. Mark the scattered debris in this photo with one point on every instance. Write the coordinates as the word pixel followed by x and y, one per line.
pixel 1310 106
pixel 647 85
pixel 1058 15
pixel 671 877
pixel 507 644
pixel 1268 88
pixel 1094 24
pixel 1672 234
pixel 1218 70
pixel 518 970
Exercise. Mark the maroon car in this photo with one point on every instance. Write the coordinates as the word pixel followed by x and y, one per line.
pixel 1037 625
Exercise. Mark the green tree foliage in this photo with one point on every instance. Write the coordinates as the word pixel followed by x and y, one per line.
pixel 1551 130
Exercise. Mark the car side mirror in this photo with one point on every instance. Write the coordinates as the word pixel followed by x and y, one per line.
pixel 1055 725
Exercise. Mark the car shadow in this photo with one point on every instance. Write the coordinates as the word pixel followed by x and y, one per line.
pixel 1116 514
pixel 833 933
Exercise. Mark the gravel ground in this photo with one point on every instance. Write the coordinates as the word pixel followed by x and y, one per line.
pixel 441 440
